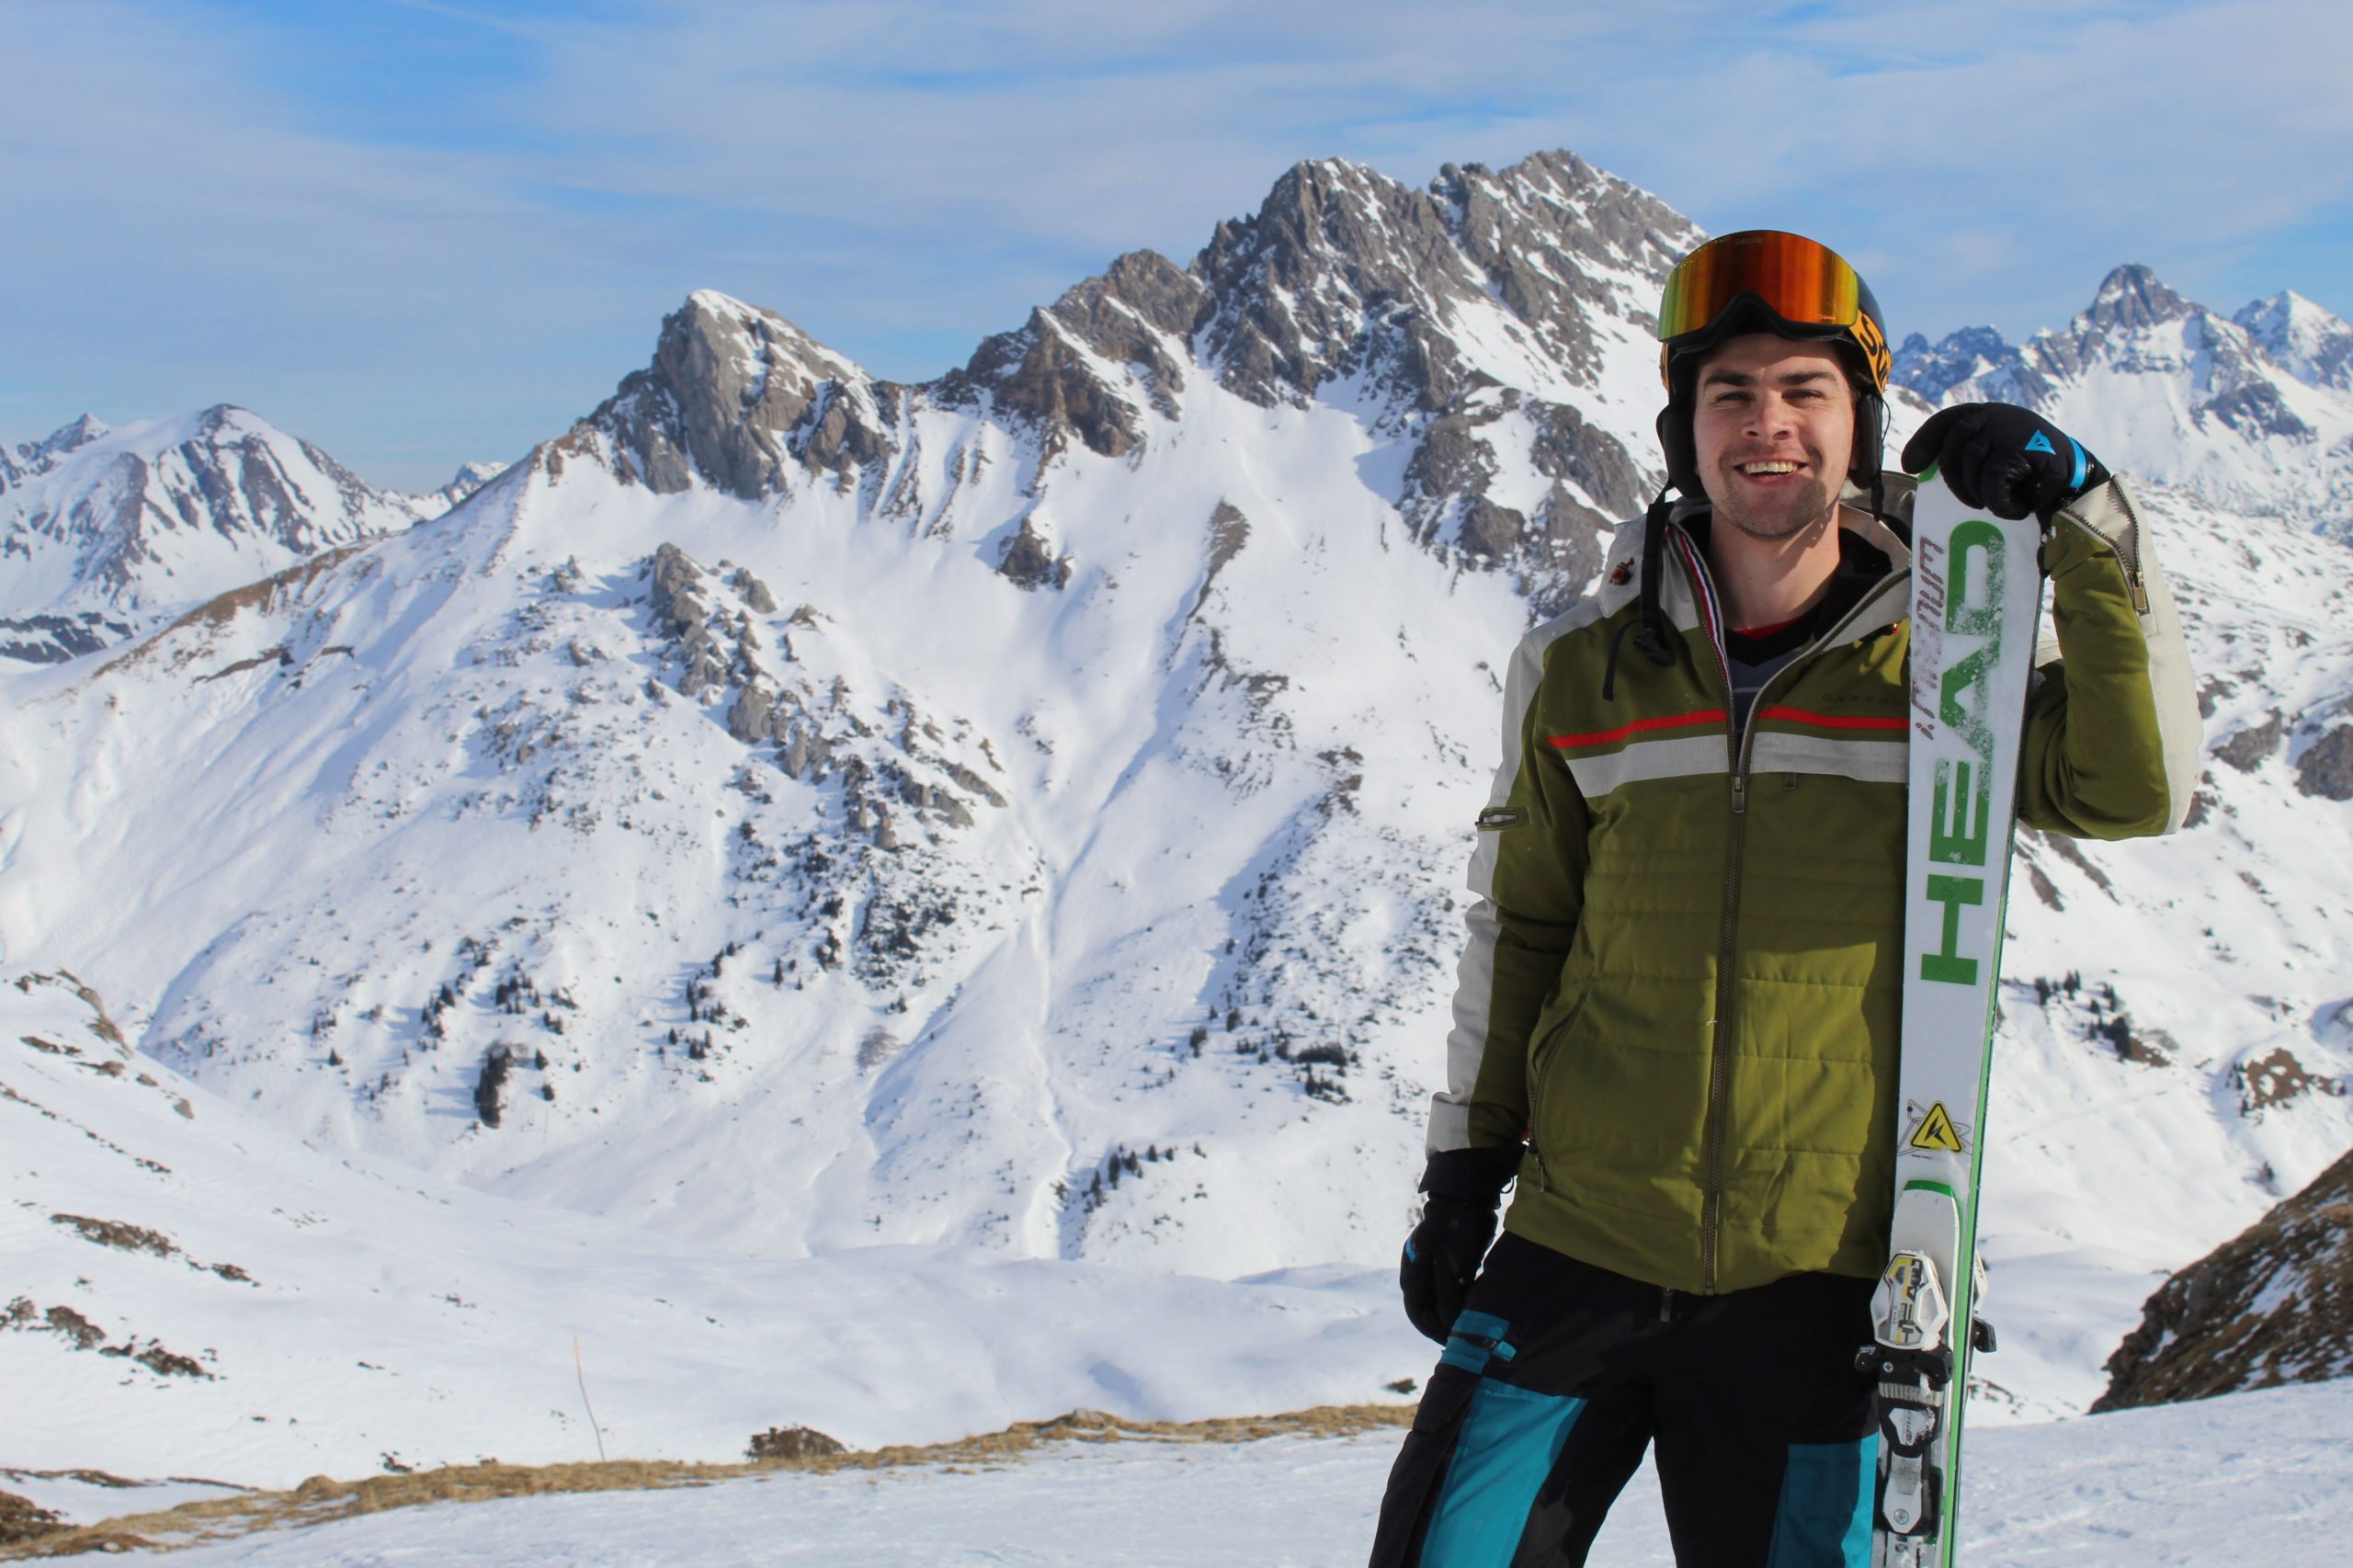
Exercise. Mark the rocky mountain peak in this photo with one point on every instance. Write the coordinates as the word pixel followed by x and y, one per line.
pixel 1974 353
pixel 741 396
pixel 103 525
pixel 67 438
pixel 2132 298
pixel 1141 314
pixel 1477 312
pixel 2308 341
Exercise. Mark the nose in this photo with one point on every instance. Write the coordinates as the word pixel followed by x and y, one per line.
pixel 1769 414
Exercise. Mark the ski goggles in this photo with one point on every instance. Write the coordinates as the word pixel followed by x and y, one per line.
pixel 1805 283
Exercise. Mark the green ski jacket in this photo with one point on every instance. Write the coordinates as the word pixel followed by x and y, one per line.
pixel 1682 987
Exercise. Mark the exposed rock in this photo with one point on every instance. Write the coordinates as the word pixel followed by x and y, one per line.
pixel 675 576
pixel 1574 538
pixel 1594 461
pixel 118 1234
pixel 2246 750
pixel 1490 532
pixel 968 780
pixel 1344 270
pixel 2273 1305
pixel 2310 344
pixel 2276 1078
pixel 741 396
pixel 1979 353
pixel 53 639
pixel 1041 373
pixel 1030 561
pixel 2066 849
pixel 2132 296
pixel 756 715
pixel 803 754
pixel 755 593
pixel 1453 461
pixel 2326 767
pixel 173 512
pixel 1229 531
pixel 21 1520
pixel 793 1444
pixel 2256 410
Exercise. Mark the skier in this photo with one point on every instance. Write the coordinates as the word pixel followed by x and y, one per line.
pixel 1676 1021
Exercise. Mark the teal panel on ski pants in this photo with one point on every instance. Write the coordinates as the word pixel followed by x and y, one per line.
pixel 1560 1376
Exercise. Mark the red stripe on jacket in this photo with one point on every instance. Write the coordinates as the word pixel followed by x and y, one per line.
pixel 1837 721
pixel 1667 722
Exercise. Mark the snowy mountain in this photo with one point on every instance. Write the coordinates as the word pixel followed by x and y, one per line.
pixel 1021 816
pixel 2253 412
pixel 100 527
pixel 194 1289
pixel 2309 343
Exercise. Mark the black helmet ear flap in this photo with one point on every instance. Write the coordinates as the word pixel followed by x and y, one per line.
pixel 1870 437
pixel 1676 444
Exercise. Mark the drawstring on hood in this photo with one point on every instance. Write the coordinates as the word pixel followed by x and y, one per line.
pixel 1651 638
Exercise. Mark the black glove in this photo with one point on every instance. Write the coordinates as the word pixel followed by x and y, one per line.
pixel 1442 1256
pixel 2007 460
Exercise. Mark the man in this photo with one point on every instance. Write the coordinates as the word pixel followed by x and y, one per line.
pixel 1676 1021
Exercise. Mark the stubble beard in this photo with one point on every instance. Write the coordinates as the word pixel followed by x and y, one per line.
pixel 1782 517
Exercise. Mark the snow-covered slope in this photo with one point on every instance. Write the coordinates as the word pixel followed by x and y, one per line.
pixel 195 1290
pixel 2253 412
pixel 792 811
pixel 100 527
pixel 2252 1478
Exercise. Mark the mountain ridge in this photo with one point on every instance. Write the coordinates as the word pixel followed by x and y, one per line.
pixel 101 528
pixel 1032 820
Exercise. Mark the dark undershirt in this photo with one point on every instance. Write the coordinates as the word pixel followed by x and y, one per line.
pixel 1755 656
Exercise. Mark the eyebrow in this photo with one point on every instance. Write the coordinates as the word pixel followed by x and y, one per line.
pixel 1731 378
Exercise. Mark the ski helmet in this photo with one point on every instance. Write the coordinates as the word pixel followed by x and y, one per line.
pixel 1765 281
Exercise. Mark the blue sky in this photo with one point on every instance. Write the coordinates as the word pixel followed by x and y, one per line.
pixel 418 232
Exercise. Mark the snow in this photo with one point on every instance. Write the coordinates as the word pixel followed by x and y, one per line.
pixel 2254 1477
pixel 1079 1138
pixel 163 513
pixel 339 1315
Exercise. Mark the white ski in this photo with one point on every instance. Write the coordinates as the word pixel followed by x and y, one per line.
pixel 1976 597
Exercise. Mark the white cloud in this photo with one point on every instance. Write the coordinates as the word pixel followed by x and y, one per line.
pixel 198 219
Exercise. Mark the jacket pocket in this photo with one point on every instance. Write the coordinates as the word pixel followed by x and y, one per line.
pixel 1547 1053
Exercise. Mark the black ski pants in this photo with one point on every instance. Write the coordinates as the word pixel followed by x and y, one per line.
pixel 1558 1375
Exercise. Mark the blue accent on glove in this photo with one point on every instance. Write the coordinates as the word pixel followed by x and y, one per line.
pixel 2003 458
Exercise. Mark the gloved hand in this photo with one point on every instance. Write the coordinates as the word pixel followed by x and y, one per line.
pixel 1443 1255
pixel 2007 460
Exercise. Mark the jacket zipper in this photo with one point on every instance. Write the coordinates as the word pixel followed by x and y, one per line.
pixel 2128 553
pixel 1718 1067
pixel 1718 1047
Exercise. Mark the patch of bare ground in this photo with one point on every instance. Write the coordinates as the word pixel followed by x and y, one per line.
pixel 22 1520
pixel 321 1500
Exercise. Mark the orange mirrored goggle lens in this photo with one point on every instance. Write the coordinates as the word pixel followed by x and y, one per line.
pixel 1799 280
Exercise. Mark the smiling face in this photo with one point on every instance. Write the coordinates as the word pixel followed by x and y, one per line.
pixel 1774 427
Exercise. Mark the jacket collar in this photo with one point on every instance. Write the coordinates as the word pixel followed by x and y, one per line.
pixel 1883 605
